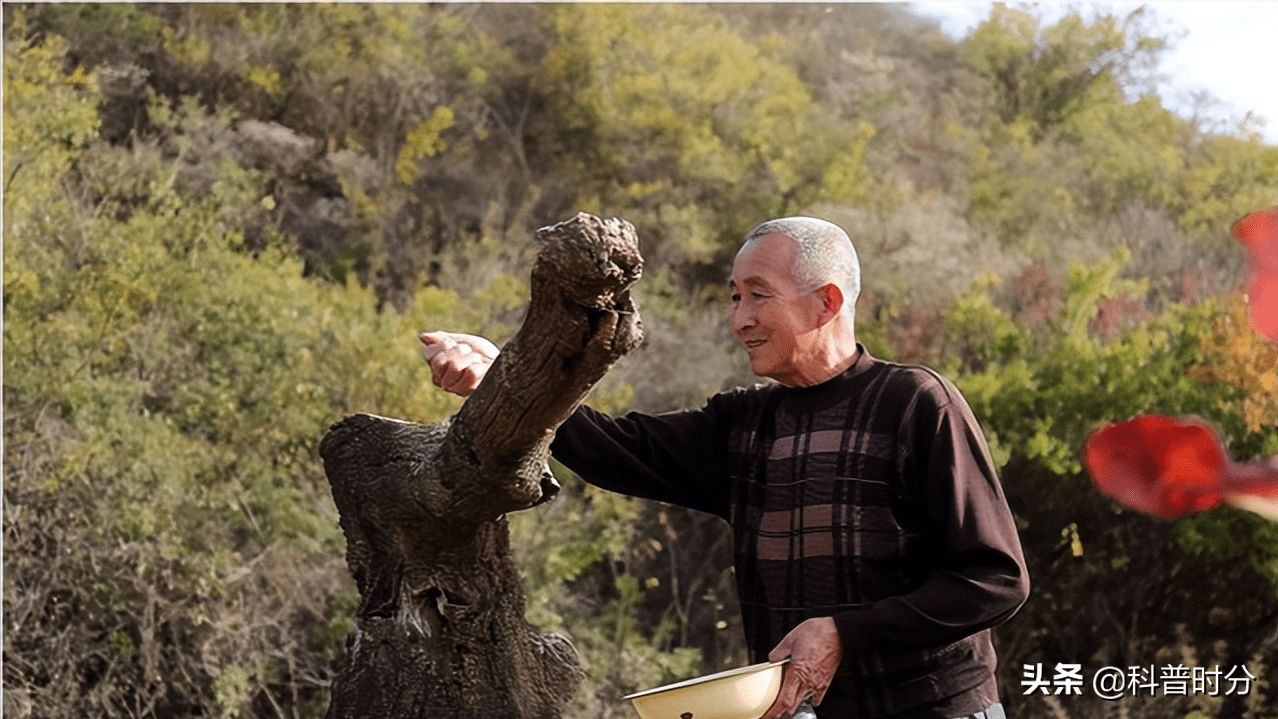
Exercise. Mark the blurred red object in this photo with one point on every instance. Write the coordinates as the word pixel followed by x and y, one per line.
pixel 1158 465
pixel 1262 296
pixel 1259 232
pixel 1169 467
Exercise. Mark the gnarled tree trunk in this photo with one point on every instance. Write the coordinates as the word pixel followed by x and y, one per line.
pixel 441 630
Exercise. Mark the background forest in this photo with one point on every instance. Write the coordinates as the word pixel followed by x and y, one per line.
pixel 225 224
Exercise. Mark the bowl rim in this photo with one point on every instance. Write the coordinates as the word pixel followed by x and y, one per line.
pixel 708 678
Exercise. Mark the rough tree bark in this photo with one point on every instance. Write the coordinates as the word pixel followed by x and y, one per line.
pixel 440 630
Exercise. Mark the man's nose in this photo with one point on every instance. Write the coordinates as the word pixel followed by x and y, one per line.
pixel 742 317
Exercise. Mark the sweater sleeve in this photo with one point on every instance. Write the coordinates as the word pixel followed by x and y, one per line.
pixel 677 457
pixel 979 579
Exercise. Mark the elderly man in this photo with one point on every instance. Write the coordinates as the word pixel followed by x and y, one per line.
pixel 872 542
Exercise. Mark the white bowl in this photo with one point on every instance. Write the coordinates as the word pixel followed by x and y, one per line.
pixel 744 693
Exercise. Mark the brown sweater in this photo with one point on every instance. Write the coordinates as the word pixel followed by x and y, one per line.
pixel 870 498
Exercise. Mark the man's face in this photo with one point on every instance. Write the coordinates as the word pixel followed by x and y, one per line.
pixel 774 318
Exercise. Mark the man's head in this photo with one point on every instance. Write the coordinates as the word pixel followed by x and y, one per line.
pixel 794 284
pixel 826 255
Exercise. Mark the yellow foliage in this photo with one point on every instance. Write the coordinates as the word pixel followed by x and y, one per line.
pixel 847 178
pixel 188 48
pixel 62 109
pixel 1228 178
pixel 264 77
pixel 1242 358
pixel 423 141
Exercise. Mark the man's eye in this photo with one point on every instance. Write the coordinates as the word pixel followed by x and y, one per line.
pixel 736 297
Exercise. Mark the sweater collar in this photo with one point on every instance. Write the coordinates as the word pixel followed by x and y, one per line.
pixel 831 391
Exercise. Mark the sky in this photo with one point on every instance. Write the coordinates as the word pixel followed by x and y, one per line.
pixel 1226 49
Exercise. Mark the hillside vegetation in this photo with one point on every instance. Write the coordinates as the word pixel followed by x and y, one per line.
pixel 224 225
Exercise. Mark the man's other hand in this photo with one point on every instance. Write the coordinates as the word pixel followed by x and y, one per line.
pixel 457 362
pixel 815 652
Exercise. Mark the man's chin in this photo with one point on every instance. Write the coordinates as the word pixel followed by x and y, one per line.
pixel 761 368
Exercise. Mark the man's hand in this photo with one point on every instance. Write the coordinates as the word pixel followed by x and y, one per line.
pixel 815 652
pixel 457 362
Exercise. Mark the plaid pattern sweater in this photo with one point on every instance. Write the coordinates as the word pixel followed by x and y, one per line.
pixel 870 498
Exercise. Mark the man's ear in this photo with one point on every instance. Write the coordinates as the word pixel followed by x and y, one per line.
pixel 831 302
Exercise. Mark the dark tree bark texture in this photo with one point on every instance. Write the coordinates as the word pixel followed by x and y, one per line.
pixel 440 630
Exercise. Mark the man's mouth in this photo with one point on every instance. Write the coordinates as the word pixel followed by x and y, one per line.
pixel 753 344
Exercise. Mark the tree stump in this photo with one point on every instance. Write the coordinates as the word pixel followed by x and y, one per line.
pixel 440 631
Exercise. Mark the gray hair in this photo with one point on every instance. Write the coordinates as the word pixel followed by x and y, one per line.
pixel 826 255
